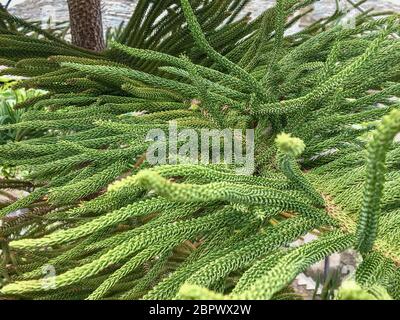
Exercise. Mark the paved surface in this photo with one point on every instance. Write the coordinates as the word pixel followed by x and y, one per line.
pixel 116 11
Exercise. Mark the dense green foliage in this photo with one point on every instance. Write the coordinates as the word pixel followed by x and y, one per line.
pixel 324 105
pixel 8 115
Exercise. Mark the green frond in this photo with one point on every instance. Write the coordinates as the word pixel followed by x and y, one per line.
pixel 375 170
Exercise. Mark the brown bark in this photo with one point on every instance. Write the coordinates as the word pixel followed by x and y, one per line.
pixel 86 24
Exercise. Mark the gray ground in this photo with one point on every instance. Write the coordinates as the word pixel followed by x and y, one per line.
pixel 115 11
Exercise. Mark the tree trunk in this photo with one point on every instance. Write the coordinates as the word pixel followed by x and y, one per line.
pixel 86 24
